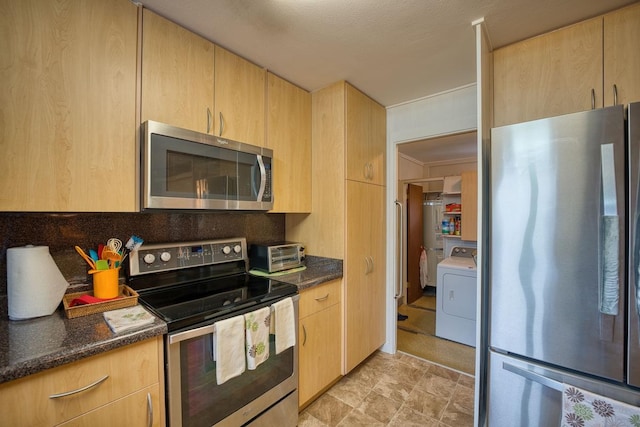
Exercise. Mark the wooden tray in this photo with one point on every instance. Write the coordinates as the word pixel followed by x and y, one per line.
pixel 127 297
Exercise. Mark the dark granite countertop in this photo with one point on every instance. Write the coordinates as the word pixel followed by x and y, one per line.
pixel 34 345
pixel 319 270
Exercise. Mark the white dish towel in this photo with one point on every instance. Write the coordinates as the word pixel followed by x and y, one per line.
pixel 424 273
pixel 229 348
pixel 583 408
pixel 284 324
pixel 257 325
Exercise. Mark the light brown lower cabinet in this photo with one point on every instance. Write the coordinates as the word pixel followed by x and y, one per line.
pixel 128 391
pixel 140 408
pixel 320 340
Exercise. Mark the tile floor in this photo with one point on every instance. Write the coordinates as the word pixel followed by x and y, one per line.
pixel 395 390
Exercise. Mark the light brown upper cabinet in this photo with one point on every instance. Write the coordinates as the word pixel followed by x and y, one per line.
pixel 239 98
pixel 189 82
pixel 365 138
pixel 552 74
pixel 289 136
pixel 68 106
pixel 587 65
pixel 622 56
pixel 177 75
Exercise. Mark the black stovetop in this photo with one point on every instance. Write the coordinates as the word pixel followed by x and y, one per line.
pixel 190 303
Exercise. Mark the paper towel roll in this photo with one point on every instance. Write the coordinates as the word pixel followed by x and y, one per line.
pixel 35 285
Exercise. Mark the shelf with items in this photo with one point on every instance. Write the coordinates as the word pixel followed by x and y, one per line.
pixel 452 212
pixel 451 226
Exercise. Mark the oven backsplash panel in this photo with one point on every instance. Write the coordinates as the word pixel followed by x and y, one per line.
pixel 64 230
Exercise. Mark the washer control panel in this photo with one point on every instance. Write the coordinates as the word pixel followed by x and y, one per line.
pixel 155 258
pixel 462 252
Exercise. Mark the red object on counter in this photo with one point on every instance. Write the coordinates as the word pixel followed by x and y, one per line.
pixel 87 299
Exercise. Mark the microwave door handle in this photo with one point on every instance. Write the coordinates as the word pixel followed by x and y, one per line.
pixel 263 178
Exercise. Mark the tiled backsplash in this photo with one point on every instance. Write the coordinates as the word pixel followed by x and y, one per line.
pixel 61 232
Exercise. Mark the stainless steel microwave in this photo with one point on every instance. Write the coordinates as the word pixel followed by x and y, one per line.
pixel 183 169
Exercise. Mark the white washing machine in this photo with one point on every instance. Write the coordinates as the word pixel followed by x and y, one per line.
pixel 456 297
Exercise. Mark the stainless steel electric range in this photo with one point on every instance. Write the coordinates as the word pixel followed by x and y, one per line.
pixel 191 286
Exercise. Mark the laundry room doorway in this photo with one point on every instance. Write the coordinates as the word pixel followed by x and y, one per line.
pixel 420 188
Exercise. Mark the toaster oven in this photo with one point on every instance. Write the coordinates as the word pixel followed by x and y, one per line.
pixel 276 256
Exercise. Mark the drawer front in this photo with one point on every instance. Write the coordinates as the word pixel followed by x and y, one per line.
pixel 133 410
pixel 320 297
pixel 128 369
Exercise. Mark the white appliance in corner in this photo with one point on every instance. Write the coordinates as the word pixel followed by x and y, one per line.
pixel 563 268
pixel 456 297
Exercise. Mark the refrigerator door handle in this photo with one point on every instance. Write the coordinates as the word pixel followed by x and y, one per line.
pixel 609 283
pixel 540 379
pixel 399 286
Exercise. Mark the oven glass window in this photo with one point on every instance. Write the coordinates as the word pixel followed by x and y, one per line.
pixel 205 403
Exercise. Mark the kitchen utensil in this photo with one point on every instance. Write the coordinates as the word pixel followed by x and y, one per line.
pixel 111 256
pixel 133 244
pixel 86 257
pixel 94 255
pixel 102 264
pixel 114 244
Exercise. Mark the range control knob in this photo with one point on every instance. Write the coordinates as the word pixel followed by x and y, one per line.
pixel 226 250
pixel 149 258
pixel 165 256
pixel 237 249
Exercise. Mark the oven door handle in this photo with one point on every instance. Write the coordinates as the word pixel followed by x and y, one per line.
pixel 192 333
pixel 208 329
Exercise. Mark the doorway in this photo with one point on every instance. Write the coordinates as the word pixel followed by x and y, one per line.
pixel 420 185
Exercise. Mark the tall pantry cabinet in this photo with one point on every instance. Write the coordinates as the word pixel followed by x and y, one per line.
pixel 347 220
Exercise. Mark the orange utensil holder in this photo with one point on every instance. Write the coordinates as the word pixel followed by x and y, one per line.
pixel 105 283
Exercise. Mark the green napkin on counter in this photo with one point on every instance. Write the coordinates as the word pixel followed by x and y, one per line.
pixel 277 273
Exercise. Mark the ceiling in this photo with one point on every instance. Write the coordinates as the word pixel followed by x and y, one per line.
pixel 442 149
pixel 393 50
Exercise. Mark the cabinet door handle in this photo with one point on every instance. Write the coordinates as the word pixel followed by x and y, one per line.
pixel 593 99
pixel 324 298
pixel 615 94
pixel 367 267
pixel 79 390
pixel 209 118
pixel 149 410
pixel 221 124
pixel 304 335
pixel 372 265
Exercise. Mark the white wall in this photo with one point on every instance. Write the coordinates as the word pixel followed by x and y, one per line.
pixel 450 112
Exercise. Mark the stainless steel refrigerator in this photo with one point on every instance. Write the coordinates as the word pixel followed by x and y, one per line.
pixel 563 264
